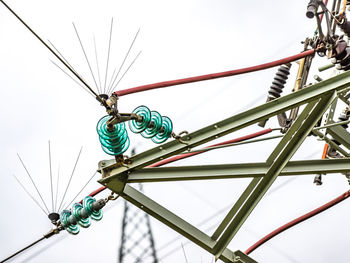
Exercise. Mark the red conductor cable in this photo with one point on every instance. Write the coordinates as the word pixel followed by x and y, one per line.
pixel 297 221
pixel 214 75
pixel 186 155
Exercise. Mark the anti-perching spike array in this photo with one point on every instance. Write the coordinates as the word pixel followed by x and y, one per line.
pixel 114 140
pixel 81 214
pixel 153 125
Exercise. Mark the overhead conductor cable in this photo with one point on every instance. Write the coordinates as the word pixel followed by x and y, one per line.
pixel 214 75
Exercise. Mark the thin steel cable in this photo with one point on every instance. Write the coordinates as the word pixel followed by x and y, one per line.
pixel 185 243
pixel 122 64
pixel 58 180
pixel 98 68
pixel 235 144
pixel 53 208
pixel 53 52
pixel 217 213
pixel 64 205
pixel 19 251
pixel 70 179
pixel 32 197
pixel 109 49
pixel 186 155
pixel 71 77
pixel 87 60
pixel 126 71
pixel 183 250
pixel 30 177
pixel 80 190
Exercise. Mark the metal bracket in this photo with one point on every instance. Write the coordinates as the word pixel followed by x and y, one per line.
pixel 340 135
pixel 240 257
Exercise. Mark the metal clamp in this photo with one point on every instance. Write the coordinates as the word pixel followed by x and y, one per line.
pixel 178 136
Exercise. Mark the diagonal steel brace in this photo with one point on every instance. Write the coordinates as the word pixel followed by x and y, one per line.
pixel 278 160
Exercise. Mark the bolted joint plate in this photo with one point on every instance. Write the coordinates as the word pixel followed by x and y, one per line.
pixel 105 167
pixel 118 183
pixel 240 257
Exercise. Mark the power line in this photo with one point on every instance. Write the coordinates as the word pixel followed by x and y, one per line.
pixel 224 74
pixel 53 52
pixel 298 220
pixel 25 248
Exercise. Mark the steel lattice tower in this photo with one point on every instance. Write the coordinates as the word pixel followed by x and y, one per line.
pixel 137 243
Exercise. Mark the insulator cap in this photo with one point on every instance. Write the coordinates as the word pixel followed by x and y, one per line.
pixel 54 216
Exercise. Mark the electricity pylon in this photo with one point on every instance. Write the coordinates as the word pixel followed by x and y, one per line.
pixel 137 242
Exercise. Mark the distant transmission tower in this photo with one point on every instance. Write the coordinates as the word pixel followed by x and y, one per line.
pixel 137 242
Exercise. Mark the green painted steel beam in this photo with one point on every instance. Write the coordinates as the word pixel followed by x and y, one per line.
pixel 291 132
pixel 340 135
pixel 239 170
pixel 173 221
pixel 239 121
pixel 331 143
pixel 278 162
pixel 238 204
pixel 332 125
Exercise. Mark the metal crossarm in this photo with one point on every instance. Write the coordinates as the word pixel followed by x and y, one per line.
pixel 230 171
pixel 318 98
pixel 340 135
pixel 229 125
pixel 173 221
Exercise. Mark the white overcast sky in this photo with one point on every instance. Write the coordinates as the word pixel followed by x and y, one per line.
pixel 178 39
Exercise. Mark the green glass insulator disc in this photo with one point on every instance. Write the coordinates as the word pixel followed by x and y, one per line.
pixel 115 150
pixel 145 113
pixel 64 217
pixel 76 212
pixel 113 142
pixel 165 131
pixel 87 204
pixel 154 125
